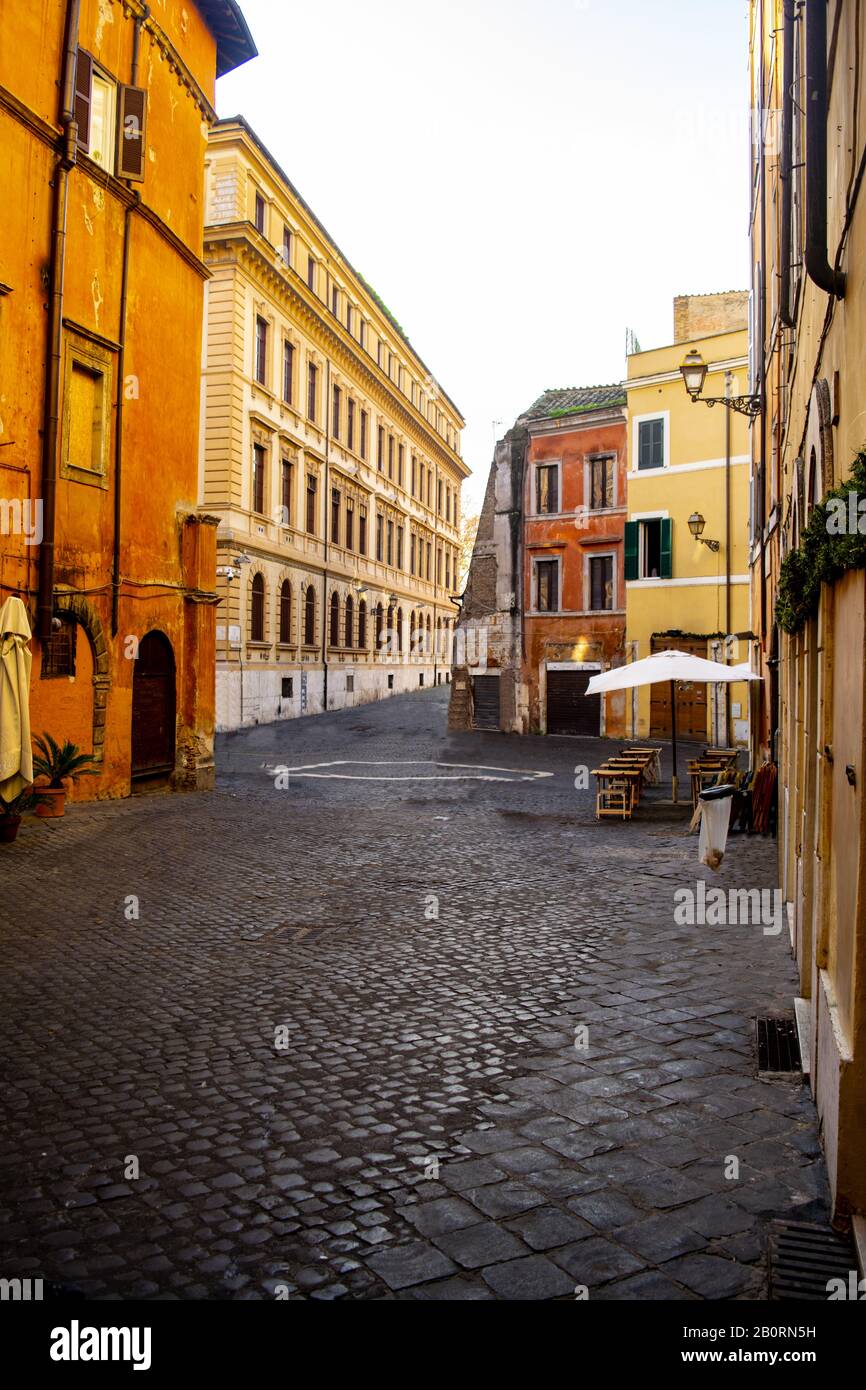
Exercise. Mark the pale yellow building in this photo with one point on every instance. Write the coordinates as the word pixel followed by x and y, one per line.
pixel 687 460
pixel 331 457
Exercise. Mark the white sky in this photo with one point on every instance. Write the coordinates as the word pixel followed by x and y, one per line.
pixel 520 181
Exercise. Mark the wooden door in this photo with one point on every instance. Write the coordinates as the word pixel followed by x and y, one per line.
pixel 691 696
pixel 153 707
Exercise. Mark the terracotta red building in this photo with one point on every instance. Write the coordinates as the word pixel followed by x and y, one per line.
pixel 544 605
pixel 574 511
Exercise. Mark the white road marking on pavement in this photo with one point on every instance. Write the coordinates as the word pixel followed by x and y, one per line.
pixel 312 770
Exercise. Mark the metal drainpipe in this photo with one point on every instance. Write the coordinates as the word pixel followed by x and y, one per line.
pixel 325 613
pixel 121 354
pixel 727 552
pixel 51 434
pixel 786 172
pixel 817 263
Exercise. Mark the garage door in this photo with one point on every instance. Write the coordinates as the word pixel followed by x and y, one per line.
pixel 569 709
pixel 485 702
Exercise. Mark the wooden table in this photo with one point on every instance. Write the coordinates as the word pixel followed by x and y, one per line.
pixel 617 793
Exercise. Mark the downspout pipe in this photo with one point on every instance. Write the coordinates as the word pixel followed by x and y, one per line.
pixel 51 429
pixel 786 172
pixel 817 264
pixel 327 515
pixel 121 356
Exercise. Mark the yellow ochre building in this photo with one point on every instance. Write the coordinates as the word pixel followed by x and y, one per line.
pixel 688 472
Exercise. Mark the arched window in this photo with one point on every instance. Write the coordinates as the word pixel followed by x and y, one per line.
pixel 335 620
pixel 429 644
pixel 380 618
pixel 399 629
pixel 310 617
pixel 389 631
pixel 350 621
pixel 285 612
pixel 257 609
pixel 362 625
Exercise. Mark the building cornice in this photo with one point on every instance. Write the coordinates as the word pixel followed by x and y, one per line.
pixel 725 364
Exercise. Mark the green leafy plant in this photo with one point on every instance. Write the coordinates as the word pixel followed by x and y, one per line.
pixel 822 556
pixel 57 761
pixel 22 804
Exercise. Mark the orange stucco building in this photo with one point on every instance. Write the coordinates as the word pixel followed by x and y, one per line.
pixel 104 110
pixel 574 510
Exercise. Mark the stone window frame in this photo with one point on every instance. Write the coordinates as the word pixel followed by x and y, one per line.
pixel 538 464
pixel 557 559
pixel 97 359
pixel 588 461
pixel 600 554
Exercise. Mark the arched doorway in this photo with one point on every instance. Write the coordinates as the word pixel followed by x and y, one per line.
pixel 153 707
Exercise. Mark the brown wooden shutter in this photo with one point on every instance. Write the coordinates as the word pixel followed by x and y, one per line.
pixel 83 79
pixel 131 125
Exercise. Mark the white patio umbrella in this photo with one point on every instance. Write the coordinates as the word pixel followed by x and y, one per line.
pixel 670 666
pixel 16 759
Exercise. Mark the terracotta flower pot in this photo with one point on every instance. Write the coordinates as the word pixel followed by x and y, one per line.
pixel 8 829
pixel 54 803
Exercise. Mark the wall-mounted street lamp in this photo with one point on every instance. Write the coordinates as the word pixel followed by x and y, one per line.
pixel 696 526
pixel 694 370
pixel 359 589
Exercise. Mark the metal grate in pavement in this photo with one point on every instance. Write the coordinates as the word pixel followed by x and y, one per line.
pixel 778 1048
pixel 804 1258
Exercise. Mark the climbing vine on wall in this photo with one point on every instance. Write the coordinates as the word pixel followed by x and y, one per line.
pixel 830 545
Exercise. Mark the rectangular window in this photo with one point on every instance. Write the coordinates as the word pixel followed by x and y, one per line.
pixel 600 582
pixel 430 488
pixel 429 558
pixel 258 478
pixel 350 523
pixel 414 475
pixel 349 318
pixel 390 551
pixel 311 272
pixel 286 492
pixel 260 214
pixel 399 547
pixel 390 455
pixel 287 245
pixel 103 103
pixel 362 531
pixel 288 687
pixel 363 335
pixel 350 424
pixel 335 515
pixel 448 569
pixel 363 434
pixel 312 374
pixel 86 414
pixel 439 497
pixel 261 349
pixel 651 443
pixel 601 483
pixel 335 301
pixel 547 488
pixel 132 124
pixel 288 371
pixel 58 652
pixel 546 586
pixel 335 413
pixel 380 449
pixel 401 459
pixel 647 548
pixel 311 504
pixel 439 565
pixel 448 505
pixel 412 545
pixel 380 531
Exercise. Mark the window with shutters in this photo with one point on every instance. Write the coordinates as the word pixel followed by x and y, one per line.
pixel 546 488
pixel 311 504
pixel 380 533
pixel 95 112
pixel 335 515
pixel 310 617
pixel 131 130
pixel 337 397
pixel 350 523
pixel 349 623
pixel 257 608
pixel 545 584
pixel 363 447
pixel 601 475
pixel 259 216
pixel 651 442
pixel 261 349
pixel 648 548
pixel 286 492
pixel 362 531
pixel 350 424
pixel 334 633
pixel 258 488
pixel 285 613
pixel 288 372
pixel 362 624
pixel 312 379
pixel 600 582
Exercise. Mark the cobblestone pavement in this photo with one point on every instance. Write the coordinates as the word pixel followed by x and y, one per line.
pixel 429 1130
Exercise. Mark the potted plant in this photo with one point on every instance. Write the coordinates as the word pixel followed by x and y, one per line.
pixel 57 763
pixel 12 811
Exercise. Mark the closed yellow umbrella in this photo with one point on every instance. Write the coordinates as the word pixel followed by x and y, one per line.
pixel 16 758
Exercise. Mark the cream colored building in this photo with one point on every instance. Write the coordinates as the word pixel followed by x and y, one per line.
pixel 330 456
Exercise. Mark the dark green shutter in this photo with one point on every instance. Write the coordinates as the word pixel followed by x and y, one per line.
pixel 666 562
pixel 631 544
